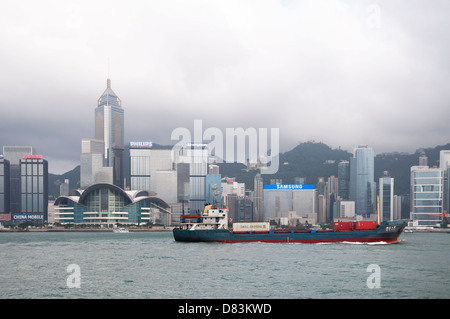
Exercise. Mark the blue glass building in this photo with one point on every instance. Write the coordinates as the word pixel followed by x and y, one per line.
pixel 362 189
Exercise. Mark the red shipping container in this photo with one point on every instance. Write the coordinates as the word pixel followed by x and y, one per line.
pixel 366 225
pixel 343 226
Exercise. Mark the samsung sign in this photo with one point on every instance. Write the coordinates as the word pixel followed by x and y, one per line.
pixel 289 186
pixel 28 217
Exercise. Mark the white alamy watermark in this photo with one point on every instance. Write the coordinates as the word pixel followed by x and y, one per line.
pixel 374 279
pixel 74 279
pixel 374 16
pixel 251 146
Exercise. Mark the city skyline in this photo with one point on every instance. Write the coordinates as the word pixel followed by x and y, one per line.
pixel 341 72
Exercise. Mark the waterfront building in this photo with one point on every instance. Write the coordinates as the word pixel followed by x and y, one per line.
pixel 362 180
pixel 282 198
pixel 426 195
pixel 108 204
pixel 386 203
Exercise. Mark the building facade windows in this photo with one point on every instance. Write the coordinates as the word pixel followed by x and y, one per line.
pixel 426 195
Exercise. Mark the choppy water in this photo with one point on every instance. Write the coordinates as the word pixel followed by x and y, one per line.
pixel 153 265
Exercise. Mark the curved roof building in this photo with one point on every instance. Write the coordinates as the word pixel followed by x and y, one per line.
pixel 109 204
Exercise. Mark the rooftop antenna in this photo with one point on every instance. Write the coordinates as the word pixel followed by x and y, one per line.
pixel 108 66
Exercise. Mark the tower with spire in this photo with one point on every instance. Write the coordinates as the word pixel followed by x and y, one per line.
pixel 109 127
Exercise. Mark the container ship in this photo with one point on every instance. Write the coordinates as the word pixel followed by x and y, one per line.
pixel 212 226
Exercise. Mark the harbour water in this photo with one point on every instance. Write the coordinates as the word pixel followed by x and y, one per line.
pixel 152 265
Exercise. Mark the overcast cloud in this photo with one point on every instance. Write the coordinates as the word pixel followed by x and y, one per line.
pixel 341 72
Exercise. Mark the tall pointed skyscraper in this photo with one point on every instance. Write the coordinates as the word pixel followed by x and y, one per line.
pixel 109 127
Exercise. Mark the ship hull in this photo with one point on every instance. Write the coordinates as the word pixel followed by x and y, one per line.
pixel 387 232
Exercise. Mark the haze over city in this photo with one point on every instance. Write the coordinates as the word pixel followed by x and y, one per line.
pixel 341 72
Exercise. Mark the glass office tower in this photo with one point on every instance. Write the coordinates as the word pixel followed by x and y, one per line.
pixel 109 127
pixel 198 168
pixel 386 197
pixel 4 186
pixel 14 154
pixel 362 180
pixel 140 169
pixel 344 179
pixel 34 185
pixel 426 195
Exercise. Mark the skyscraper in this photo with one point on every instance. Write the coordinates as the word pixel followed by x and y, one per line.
pixel 444 164
pixel 34 186
pixel 344 179
pixel 386 197
pixel 426 195
pixel 14 154
pixel 362 180
pixel 198 168
pixel 109 127
pixel 258 198
pixel 4 185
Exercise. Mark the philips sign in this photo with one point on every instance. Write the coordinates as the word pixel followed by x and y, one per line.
pixel 289 186
pixel 141 144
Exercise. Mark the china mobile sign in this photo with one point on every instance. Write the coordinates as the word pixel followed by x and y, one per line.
pixel 28 217
pixel 222 146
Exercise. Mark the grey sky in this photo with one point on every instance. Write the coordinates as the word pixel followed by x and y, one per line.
pixel 341 72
